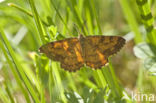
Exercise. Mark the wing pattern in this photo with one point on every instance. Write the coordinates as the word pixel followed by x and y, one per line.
pixel 67 52
pixel 73 53
pixel 97 49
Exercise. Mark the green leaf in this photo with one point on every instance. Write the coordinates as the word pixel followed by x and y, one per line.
pixel 150 64
pixel 144 50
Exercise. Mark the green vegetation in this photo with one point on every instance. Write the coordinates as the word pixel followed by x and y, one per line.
pixel 26 76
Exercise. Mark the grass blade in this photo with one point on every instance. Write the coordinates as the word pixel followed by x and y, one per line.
pixel 19 67
pixel 131 20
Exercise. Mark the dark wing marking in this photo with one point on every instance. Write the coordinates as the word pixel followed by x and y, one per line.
pixel 97 49
pixel 67 51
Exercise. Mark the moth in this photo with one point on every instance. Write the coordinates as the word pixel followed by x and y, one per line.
pixel 74 53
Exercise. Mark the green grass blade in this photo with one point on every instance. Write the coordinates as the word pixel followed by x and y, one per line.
pixel 99 78
pixel 20 8
pixel 147 18
pixel 58 13
pixel 9 93
pixel 57 80
pixel 77 16
pixel 19 67
pixel 96 17
pixel 131 20
pixel 88 83
pixel 3 97
pixel 24 11
pixel 17 77
pixel 89 21
pixel 112 79
pixel 38 22
pixel 50 83
pixel 71 82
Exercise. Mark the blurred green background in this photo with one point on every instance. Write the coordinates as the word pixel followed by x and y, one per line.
pixel 26 76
